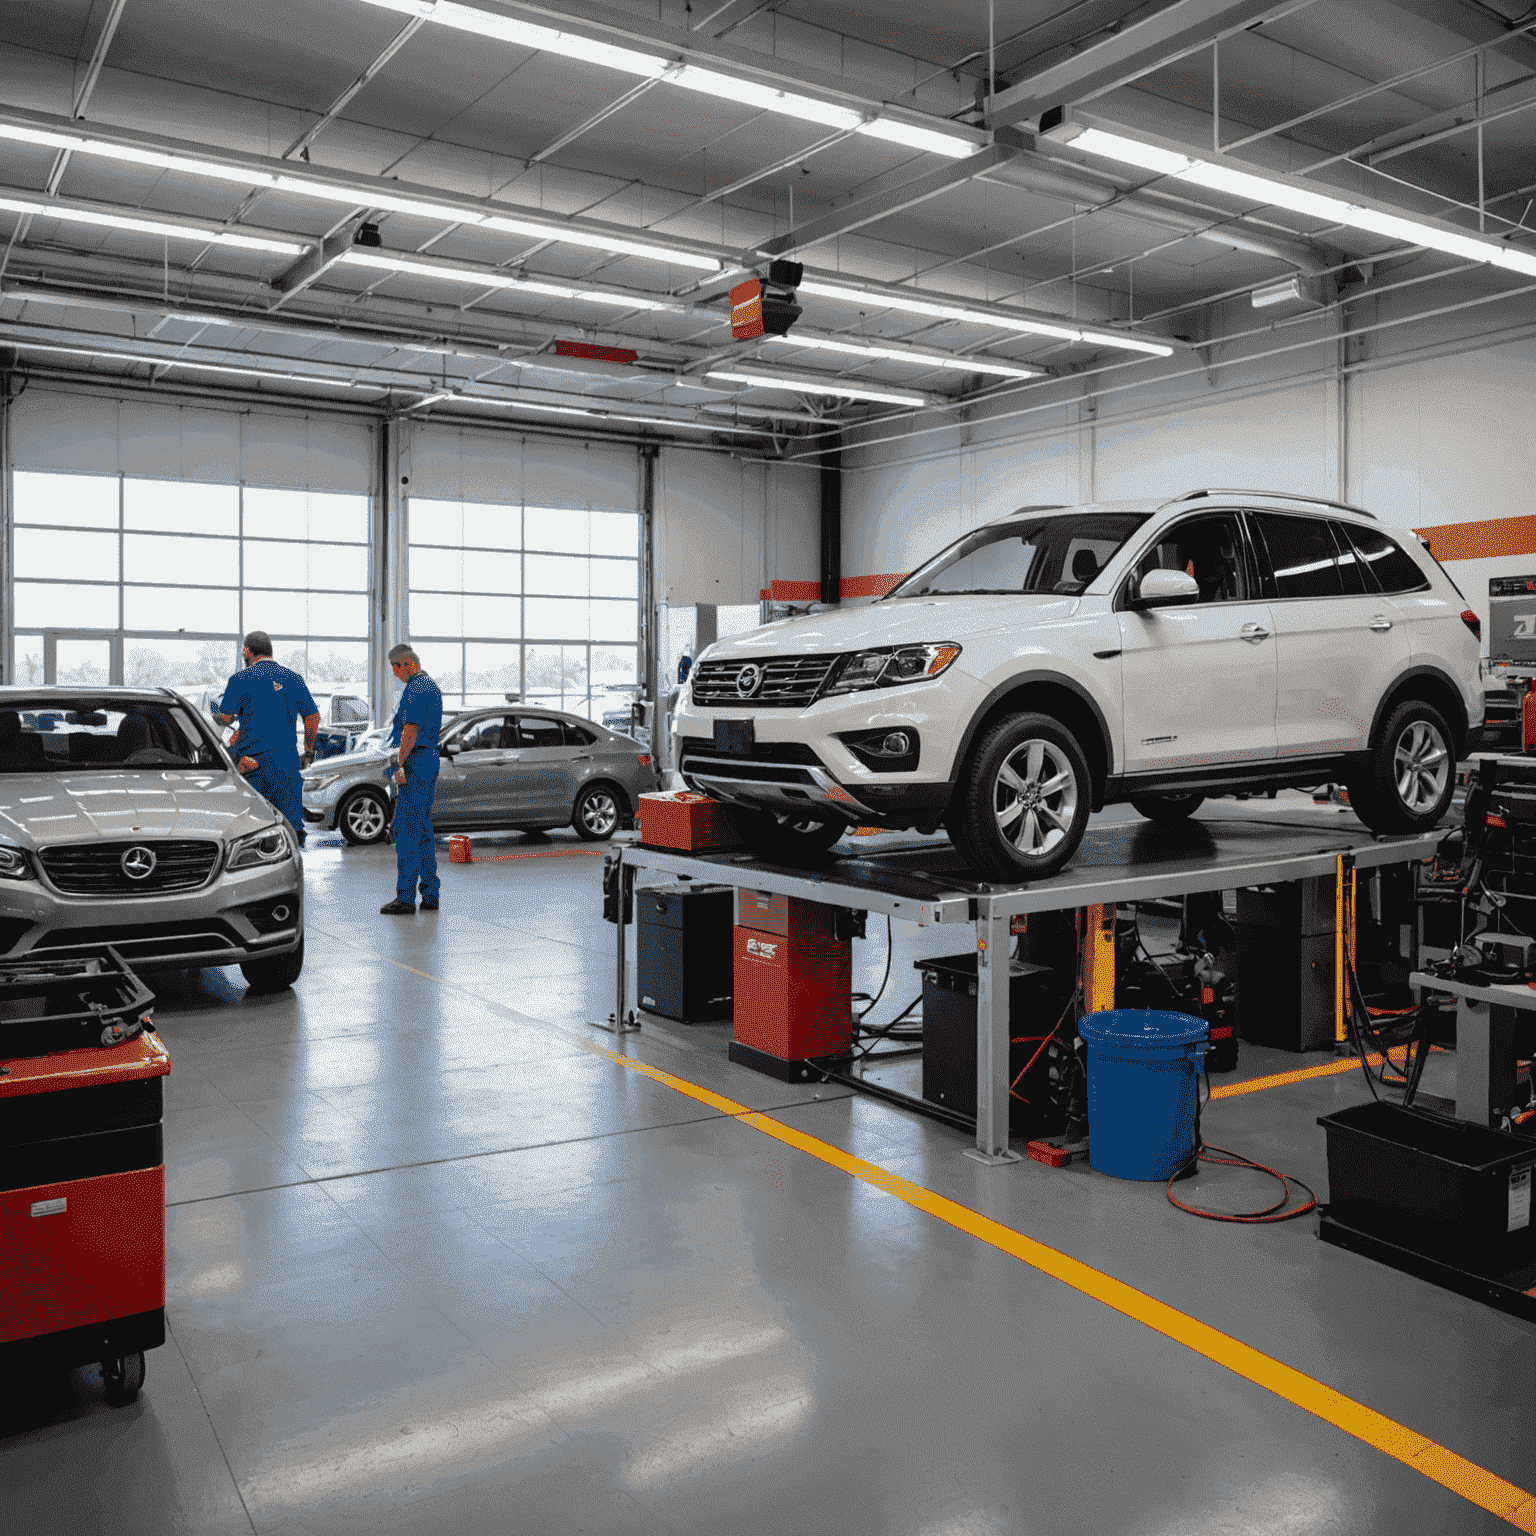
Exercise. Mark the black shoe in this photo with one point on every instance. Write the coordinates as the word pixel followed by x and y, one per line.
pixel 428 906
pixel 398 909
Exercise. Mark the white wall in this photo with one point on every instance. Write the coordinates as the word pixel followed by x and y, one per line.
pixel 1421 440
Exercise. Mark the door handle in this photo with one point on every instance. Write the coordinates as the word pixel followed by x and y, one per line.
pixel 1254 632
pixel 586 757
pixel 1380 622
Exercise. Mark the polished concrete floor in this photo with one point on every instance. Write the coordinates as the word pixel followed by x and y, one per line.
pixel 435 1266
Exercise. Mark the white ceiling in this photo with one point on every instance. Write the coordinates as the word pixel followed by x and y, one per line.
pixel 466 117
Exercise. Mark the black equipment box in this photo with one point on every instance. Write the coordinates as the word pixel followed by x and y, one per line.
pixel 685 951
pixel 1285 964
pixel 1512 619
pixel 1446 1190
pixel 1038 1105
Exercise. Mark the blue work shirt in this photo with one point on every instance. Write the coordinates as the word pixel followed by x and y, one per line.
pixel 421 705
pixel 268 699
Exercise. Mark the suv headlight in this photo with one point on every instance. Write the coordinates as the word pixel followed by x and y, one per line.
pixel 14 864
pixel 890 666
pixel 320 781
pixel 267 847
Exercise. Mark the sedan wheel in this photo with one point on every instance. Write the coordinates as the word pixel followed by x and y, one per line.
pixel 596 815
pixel 364 818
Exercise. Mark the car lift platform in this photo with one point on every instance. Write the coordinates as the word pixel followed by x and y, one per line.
pixel 922 880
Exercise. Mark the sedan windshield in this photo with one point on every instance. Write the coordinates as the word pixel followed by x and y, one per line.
pixel 1061 552
pixel 85 734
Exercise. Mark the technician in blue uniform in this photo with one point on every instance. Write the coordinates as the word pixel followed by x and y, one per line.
pixel 267 699
pixel 418 723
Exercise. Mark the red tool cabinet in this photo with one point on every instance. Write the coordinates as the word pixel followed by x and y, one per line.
pixel 794 979
pixel 82 1172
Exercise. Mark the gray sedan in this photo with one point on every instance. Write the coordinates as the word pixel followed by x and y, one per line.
pixel 510 767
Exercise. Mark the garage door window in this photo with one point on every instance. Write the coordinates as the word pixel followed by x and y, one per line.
pixel 542 602
pixel 182 570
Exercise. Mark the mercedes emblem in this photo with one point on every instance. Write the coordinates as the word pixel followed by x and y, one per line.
pixel 138 863
pixel 749 679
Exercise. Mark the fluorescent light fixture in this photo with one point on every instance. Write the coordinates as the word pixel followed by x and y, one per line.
pixel 1265 192
pixel 813 386
pixel 600 242
pixel 910 355
pixel 481 277
pixel 584 411
pixel 189 362
pixel 994 319
pixel 930 140
pixel 691 77
pixel 71 213
pixel 358 196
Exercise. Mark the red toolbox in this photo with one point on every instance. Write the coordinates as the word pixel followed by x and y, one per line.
pixel 794 986
pixel 82 1170
pixel 680 818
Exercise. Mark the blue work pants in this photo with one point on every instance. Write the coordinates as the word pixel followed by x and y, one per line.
pixel 415 851
pixel 283 787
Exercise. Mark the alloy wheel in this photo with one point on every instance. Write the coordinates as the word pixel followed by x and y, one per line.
pixel 1421 765
pixel 1035 797
pixel 365 816
pixel 599 813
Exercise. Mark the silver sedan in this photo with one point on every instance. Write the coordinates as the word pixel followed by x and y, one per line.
pixel 504 768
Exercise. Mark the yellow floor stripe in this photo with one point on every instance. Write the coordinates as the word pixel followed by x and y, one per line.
pixel 1462 1477
pixel 1300 1075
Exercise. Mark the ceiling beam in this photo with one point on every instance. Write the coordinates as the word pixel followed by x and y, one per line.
pixel 1178 28
pixel 301 144
pixel 869 210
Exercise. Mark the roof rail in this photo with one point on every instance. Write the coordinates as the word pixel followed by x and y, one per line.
pixel 1317 501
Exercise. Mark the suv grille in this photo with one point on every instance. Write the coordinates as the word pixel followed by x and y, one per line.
pixel 96 869
pixel 788 681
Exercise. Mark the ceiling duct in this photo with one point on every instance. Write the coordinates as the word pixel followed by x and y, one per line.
pixel 1292 296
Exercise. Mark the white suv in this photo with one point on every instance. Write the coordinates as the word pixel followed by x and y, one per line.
pixel 1062 658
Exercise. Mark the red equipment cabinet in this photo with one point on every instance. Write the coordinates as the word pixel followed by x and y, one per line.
pixel 794 986
pixel 82 1196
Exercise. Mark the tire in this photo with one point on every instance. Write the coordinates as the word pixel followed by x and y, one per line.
pixel 1168 810
pixel 273 975
pixel 1409 779
pixel 1002 804
pixel 364 817
pixel 596 814
pixel 122 1378
pixel 802 840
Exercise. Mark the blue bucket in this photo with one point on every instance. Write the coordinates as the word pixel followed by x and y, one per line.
pixel 1143 1070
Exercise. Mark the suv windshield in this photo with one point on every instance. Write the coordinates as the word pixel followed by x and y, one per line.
pixel 83 734
pixel 1061 552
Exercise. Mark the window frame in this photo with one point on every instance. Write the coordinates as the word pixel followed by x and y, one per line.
pixel 1252 565
pixel 1261 546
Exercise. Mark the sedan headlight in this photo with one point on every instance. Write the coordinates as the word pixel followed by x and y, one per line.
pixel 322 781
pixel 14 865
pixel 267 847
pixel 890 666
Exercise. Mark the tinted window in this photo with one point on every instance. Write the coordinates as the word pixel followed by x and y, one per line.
pixel 1353 576
pixel 1211 550
pixel 1394 569
pixel 488 735
pixel 101 732
pixel 1302 555
pixel 538 732
pixel 578 735
pixel 1026 554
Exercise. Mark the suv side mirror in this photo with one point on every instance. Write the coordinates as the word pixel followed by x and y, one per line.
pixel 1165 589
pixel 450 749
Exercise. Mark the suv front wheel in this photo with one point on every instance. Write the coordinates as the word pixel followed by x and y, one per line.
pixel 1407 782
pixel 1021 806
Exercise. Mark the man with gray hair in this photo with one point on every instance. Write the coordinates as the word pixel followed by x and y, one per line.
pixel 268 699
pixel 417 724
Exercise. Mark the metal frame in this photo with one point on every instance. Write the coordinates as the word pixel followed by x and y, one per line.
pixel 1486 1024
pixel 990 909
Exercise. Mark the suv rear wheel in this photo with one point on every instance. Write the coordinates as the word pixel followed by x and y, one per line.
pixel 1168 810
pixel 1407 782
pixel 792 840
pixel 1021 806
